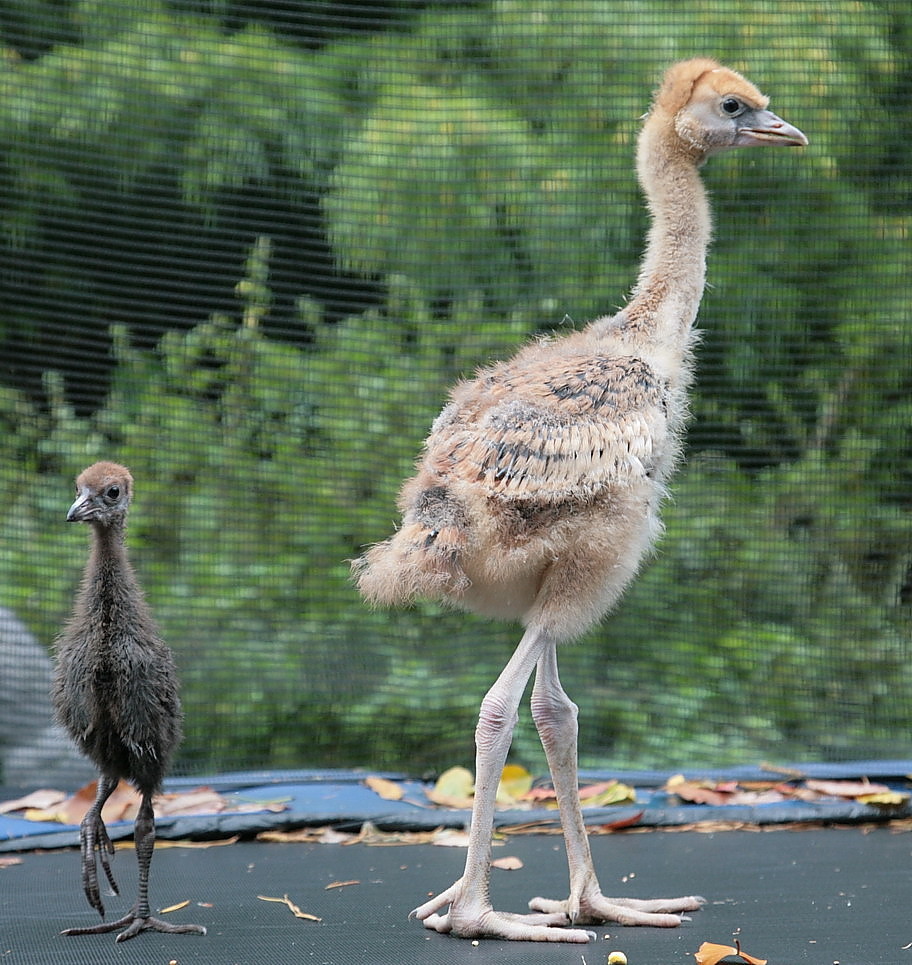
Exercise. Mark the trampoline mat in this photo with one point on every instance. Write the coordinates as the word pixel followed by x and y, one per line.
pixel 821 895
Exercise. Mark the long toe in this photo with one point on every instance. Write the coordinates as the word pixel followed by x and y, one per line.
pixel 509 927
pixel 473 919
pixel 95 845
pixel 596 909
pixel 156 924
pixel 101 928
pixel 133 924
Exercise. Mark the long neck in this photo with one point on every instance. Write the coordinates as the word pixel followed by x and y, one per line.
pixel 109 588
pixel 664 303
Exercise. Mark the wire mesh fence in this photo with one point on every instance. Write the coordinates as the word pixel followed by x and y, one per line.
pixel 248 247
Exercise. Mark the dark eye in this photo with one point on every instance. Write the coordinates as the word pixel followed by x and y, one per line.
pixel 732 106
pixel 113 493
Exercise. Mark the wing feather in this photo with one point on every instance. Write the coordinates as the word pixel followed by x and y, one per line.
pixel 586 424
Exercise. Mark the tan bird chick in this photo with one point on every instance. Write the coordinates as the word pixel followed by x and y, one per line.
pixel 538 492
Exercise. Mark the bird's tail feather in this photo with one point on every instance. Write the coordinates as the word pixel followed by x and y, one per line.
pixel 416 562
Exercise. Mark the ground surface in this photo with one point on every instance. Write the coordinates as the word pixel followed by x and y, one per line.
pixel 811 896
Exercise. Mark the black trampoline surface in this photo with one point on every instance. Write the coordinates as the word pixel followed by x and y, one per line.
pixel 819 894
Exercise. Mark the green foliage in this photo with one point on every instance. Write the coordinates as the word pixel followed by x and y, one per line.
pixel 476 163
pixel 152 97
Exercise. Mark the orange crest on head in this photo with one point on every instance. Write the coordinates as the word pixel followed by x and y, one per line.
pixel 682 79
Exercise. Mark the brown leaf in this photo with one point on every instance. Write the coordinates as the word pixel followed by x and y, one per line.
pixel 750 958
pixel 606 793
pixel 201 800
pixel 185 843
pixel 711 954
pixel 341 884
pixel 697 792
pixel 319 835
pixel 627 822
pixel 507 863
pixel 9 862
pixel 40 800
pixel 121 805
pixel 541 794
pixel 848 789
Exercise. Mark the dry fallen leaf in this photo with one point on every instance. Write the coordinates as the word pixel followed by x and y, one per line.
pixel 177 907
pixel 388 790
pixel 341 884
pixel 201 800
pixel 698 792
pixel 515 783
pixel 309 835
pixel 40 800
pixel 542 794
pixel 507 863
pixel 295 910
pixel 454 788
pixel 884 798
pixel 711 954
pixel 186 843
pixel 9 862
pixel 619 824
pixel 608 792
pixel 450 838
pixel 122 805
pixel 849 789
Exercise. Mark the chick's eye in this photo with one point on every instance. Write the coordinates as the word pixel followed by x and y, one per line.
pixel 732 106
pixel 113 492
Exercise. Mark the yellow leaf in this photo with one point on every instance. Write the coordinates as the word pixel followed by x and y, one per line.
pixel 610 792
pixel 888 798
pixel 515 781
pixel 177 907
pixel 388 790
pixel 454 788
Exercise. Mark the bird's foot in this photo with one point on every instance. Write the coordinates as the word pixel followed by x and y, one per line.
pixel 477 919
pixel 96 846
pixel 133 924
pixel 593 908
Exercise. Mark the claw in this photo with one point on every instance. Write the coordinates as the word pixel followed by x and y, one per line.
pixel 469 919
pixel 96 846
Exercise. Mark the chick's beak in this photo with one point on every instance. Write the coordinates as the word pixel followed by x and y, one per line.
pixel 764 127
pixel 81 510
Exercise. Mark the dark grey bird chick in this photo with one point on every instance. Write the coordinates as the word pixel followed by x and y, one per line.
pixel 116 692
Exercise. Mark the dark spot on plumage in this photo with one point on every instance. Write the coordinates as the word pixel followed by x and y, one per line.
pixel 436 508
pixel 615 383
